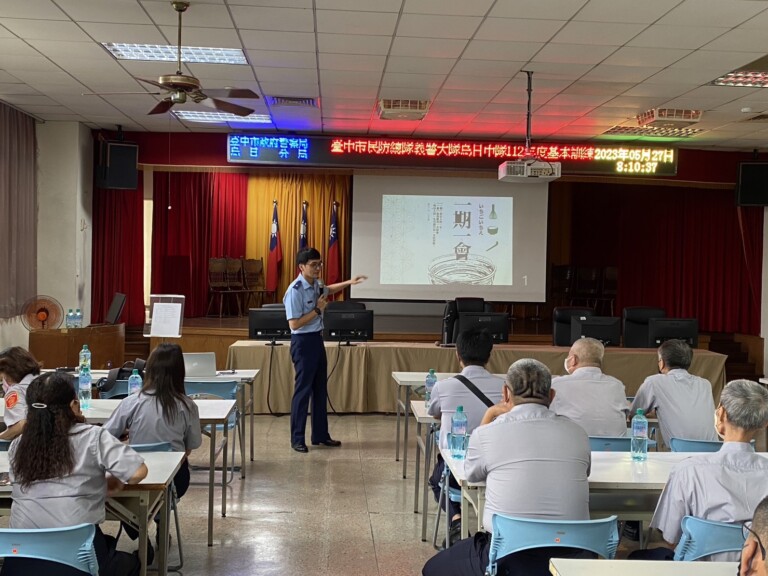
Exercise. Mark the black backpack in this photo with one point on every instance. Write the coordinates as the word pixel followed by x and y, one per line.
pixel 122 373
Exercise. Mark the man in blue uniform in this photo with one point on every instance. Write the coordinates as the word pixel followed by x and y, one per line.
pixel 305 301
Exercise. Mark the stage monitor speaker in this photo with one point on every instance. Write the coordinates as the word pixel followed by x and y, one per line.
pixel 117 166
pixel 753 184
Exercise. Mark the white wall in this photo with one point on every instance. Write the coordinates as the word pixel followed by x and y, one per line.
pixel 64 232
pixel 13 333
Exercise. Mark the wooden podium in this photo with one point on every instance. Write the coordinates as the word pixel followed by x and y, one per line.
pixel 57 348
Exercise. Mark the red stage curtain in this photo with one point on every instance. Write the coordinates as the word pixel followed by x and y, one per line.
pixel 677 248
pixel 207 219
pixel 228 223
pixel 118 253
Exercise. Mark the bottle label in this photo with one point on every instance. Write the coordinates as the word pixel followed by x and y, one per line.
pixel 640 429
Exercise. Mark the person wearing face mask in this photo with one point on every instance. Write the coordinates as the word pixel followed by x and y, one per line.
pixel 753 558
pixel 683 402
pixel 595 401
pixel 17 368
pixel 723 486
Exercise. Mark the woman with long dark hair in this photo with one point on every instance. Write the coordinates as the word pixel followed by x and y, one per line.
pixel 17 369
pixel 161 411
pixel 61 470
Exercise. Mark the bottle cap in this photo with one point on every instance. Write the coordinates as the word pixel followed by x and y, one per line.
pixel 432 371
pixel 640 411
pixel 135 372
pixel 85 346
pixel 459 408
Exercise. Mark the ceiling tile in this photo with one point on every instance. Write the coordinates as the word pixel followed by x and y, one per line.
pixel 222 71
pixel 559 70
pixel 298 90
pixel 16 47
pixel 12 63
pixel 44 29
pixel 281 59
pixel 718 62
pixel 361 5
pixel 465 95
pixel 352 62
pixel 495 68
pixel 574 53
pixel 660 91
pixel 347 113
pixel 419 65
pixel 638 103
pixel 210 37
pixel 625 10
pixel 7 78
pixel 590 100
pixel 63 51
pixel 294 75
pixel 113 11
pixel 663 36
pixel 738 40
pixel 17 88
pixel 437 26
pixel 131 33
pixel 550 10
pixel 636 56
pixel 336 104
pixel 608 73
pixel 609 34
pixel 462 82
pixel 681 76
pixel 522 30
pixel 353 44
pixel 728 13
pixel 198 14
pixel 48 76
pixel 29 100
pixel 346 125
pixel 37 9
pixel 445 107
pixel 336 91
pixel 449 7
pixel 353 77
pixel 275 19
pixel 342 21
pixel 589 87
pixel 512 51
pixel 270 40
pixel 427 47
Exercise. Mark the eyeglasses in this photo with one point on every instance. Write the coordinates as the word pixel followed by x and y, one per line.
pixel 314 265
pixel 746 530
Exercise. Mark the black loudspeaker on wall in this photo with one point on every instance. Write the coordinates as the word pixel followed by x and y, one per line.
pixel 752 189
pixel 117 165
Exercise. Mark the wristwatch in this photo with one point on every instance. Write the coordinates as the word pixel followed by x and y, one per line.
pixel 318 311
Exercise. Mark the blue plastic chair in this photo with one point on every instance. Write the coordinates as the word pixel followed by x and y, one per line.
pixel 118 391
pixel 4 445
pixel 166 447
pixel 614 443
pixel 72 546
pixel 454 495
pixel 217 390
pixel 705 537
pixel 683 445
pixel 512 535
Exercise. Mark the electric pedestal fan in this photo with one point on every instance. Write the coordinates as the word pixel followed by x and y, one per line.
pixel 42 312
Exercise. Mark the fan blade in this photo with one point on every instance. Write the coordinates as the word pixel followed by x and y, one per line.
pixel 162 107
pixel 153 82
pixel 223 106
pixel 117 93
pixel 241 93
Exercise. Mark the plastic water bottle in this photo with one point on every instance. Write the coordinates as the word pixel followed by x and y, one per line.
pixel 84 378
pixel 639 436
pixel 69 322
pixel 134 382
pixel 429 383
pixel 78 318
pixel 458 433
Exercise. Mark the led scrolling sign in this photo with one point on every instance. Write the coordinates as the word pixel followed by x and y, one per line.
pixel 395 152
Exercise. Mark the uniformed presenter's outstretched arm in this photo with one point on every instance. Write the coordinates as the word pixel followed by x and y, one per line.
pixel 333 288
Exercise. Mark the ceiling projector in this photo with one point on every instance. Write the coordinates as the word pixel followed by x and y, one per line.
pixel 518 170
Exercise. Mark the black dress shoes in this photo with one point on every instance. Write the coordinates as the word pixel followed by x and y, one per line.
pixel 330 442
pixel 300 447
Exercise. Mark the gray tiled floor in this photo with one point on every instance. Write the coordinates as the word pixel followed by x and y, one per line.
pixel 332 512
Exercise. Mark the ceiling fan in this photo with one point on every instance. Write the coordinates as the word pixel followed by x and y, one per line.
pixel 180 88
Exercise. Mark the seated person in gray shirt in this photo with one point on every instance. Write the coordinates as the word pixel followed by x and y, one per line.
pixel 683 402
pixel 595 401
pixel 61 470
pixel 724 486
pixel 535 465
pixel 473 350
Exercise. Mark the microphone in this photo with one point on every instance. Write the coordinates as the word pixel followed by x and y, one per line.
pixel 323 288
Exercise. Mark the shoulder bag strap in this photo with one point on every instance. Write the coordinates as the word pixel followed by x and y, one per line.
pixel 474 389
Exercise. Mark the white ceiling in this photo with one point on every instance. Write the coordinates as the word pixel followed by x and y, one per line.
pixel 596 63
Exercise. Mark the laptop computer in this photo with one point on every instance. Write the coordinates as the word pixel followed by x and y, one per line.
pixel 200 365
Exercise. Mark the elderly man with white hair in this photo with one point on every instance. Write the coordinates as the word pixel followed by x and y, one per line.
pixel 595 401
pixel 535 465
pixel 724 486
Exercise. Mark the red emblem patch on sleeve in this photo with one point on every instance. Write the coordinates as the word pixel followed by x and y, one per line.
pixel 11 400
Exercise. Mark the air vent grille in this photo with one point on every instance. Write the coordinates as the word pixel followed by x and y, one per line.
pixel 295 101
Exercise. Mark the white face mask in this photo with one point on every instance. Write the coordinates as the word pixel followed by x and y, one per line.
pixel 716 429
pixel 6 386
pixel 565 365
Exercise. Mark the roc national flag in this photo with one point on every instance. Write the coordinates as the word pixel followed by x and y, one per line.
pixel 303 228
pixel 275 253
pixel 333 264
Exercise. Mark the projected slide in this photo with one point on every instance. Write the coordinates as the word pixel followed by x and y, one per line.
pixel 436 238
pixel 446 240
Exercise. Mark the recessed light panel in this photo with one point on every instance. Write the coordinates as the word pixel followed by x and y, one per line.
pixel 161 53
pixel 652 131
pixel 221 117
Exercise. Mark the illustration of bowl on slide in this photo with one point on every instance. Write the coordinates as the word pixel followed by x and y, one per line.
pixel 471 269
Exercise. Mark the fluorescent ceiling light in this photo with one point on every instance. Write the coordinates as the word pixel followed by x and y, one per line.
pixel 221 117
pixel 653 131
pixel 745 78
pixel 160 53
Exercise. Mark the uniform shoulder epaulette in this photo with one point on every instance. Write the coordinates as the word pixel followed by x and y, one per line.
pixel 297 285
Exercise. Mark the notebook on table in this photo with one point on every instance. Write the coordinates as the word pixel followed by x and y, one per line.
pixel 200 365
